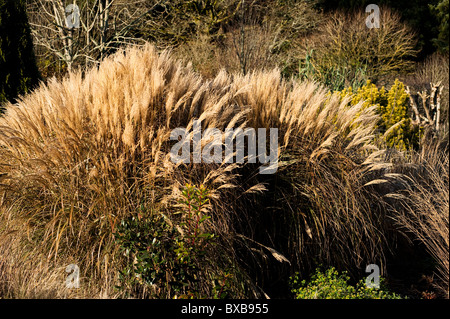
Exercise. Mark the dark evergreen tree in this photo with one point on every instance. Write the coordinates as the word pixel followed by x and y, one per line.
pixel 440 10
pixel 18 70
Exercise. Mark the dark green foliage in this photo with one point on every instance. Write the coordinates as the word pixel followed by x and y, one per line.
pixel 440 10
pixel 168 258
pixel 155 252
pixel 18 70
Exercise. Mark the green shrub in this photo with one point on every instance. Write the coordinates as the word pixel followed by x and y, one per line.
pixel 169 259
pixel 19 72
pixel 332 285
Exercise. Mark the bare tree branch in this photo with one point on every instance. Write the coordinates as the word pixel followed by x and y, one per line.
pixel 103 26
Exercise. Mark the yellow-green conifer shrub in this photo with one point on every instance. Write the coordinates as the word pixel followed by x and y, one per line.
pixel 395 112
pixel 369 93
pixel 395 124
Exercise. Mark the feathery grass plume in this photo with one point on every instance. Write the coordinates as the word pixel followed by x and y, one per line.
pixel 318 191
pixel 86 152
pixel 421 206
pixel 83 153
pixel 316 206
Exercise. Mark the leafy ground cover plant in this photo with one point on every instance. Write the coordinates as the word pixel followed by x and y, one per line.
pixel 334 285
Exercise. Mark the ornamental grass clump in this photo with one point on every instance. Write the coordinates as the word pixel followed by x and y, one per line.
pixel 346 47
pixel 82 154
